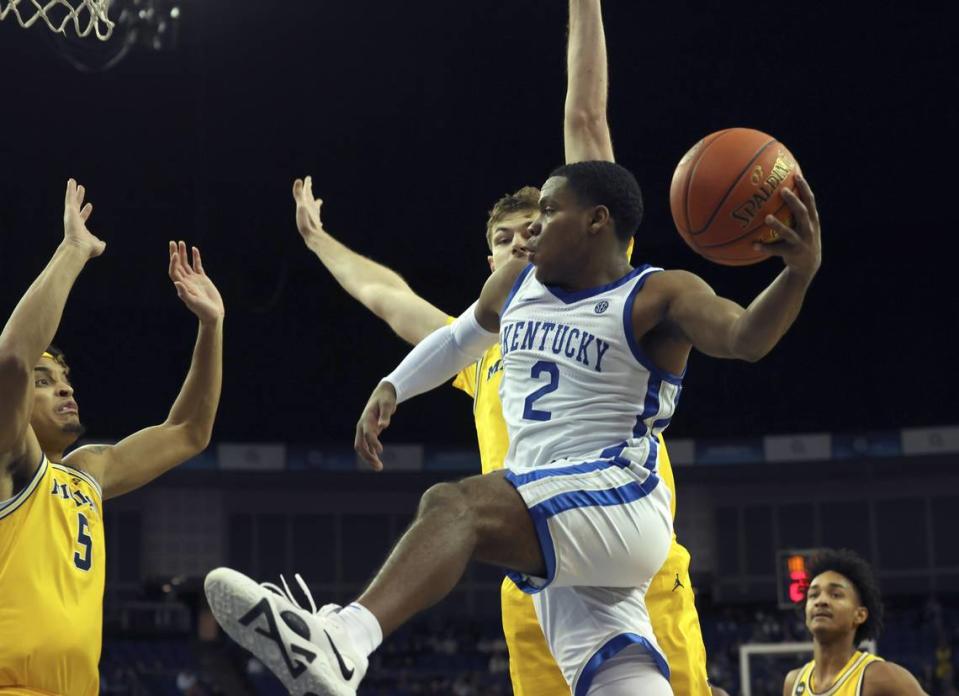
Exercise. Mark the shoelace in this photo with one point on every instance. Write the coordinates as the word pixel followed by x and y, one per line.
pixel 286 593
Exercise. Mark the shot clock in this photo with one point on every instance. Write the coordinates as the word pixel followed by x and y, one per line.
pixel 792 570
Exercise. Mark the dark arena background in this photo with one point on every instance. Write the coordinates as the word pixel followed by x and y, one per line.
pixel 413 117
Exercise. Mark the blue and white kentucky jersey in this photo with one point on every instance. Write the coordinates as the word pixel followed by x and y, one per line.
pixel 576 383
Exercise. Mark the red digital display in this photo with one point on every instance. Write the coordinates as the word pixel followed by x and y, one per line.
pixel 793 571
pixel 798 578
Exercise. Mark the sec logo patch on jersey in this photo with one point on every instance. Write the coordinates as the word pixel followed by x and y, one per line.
pixel 601 307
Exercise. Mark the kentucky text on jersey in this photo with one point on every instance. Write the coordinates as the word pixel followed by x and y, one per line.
pixel 576 382
pixel 558 339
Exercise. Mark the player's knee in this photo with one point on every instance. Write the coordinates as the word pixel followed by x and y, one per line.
pixel 446 499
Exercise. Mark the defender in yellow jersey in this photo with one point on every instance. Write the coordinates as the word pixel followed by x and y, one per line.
pixel 843 608
pixel 52 553
pixel 848 682
pixel 670 597
pixel 51 574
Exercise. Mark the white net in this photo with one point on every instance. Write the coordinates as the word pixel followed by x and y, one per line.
pixel 85 16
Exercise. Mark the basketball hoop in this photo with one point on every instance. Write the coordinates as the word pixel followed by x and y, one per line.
pixel 120 25
pixel 86 16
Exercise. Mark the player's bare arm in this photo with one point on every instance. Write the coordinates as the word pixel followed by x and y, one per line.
pixel 33 324
pixel 683 310
pixel 436 359
pixel 585 128
pixel 378 288
pixel 790 682
pixel 141 457
pixel 889 679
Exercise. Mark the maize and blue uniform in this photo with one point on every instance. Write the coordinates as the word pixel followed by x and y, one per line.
pixel 849 682
pixel 52 572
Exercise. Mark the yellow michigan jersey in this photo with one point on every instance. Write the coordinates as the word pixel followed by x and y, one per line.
pixel 669 599
pixel 52 570
pixel 848 683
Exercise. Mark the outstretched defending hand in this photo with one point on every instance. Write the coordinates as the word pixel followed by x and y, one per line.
pixel 193 286
pixel 801 247
pixel 307 209
pixel 75 216
pixel 375 419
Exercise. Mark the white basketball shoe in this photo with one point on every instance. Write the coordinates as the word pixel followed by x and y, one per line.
pixel 309 651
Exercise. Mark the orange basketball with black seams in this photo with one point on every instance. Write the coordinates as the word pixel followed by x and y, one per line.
pixel 723 189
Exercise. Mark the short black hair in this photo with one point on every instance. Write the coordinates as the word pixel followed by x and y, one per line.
pixel 857 570
pixel 611 185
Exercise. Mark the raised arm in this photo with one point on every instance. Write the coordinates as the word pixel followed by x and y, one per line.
pixel 720 327
pixel 141 457
pixel 585 127
pixel 34 322
pixel 378 288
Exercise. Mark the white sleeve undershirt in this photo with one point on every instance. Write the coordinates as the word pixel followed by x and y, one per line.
pixel 441 355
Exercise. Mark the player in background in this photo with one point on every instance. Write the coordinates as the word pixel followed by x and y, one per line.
pixel 843 608
pixel 670 598
pixel 52 559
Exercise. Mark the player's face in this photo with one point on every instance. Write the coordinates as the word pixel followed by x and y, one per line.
pixel 559 235
pixel 508 233
pixel 56 416
pixel 832 606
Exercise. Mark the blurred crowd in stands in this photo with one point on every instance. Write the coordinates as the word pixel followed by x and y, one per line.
pixel 467 657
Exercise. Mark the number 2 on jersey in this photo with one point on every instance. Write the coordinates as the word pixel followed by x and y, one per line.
pixel 85 561
pixel 551 369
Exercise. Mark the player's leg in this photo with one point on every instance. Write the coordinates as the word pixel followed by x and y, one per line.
pixel 586 627
pixel 672 611
pixel 600 523
pixel 532 669
pixel 562 501
pixel 481 518
pixel 605 528
pixel 325 651
pixel 629 673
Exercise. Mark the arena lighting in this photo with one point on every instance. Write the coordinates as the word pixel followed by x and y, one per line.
pixel 792 571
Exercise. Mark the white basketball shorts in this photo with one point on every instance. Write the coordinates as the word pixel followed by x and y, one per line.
pixel 604 527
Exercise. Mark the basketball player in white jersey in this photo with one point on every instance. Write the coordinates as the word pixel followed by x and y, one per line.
pixel 594 352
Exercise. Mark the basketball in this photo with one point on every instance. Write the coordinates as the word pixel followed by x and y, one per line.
pixel 723 189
